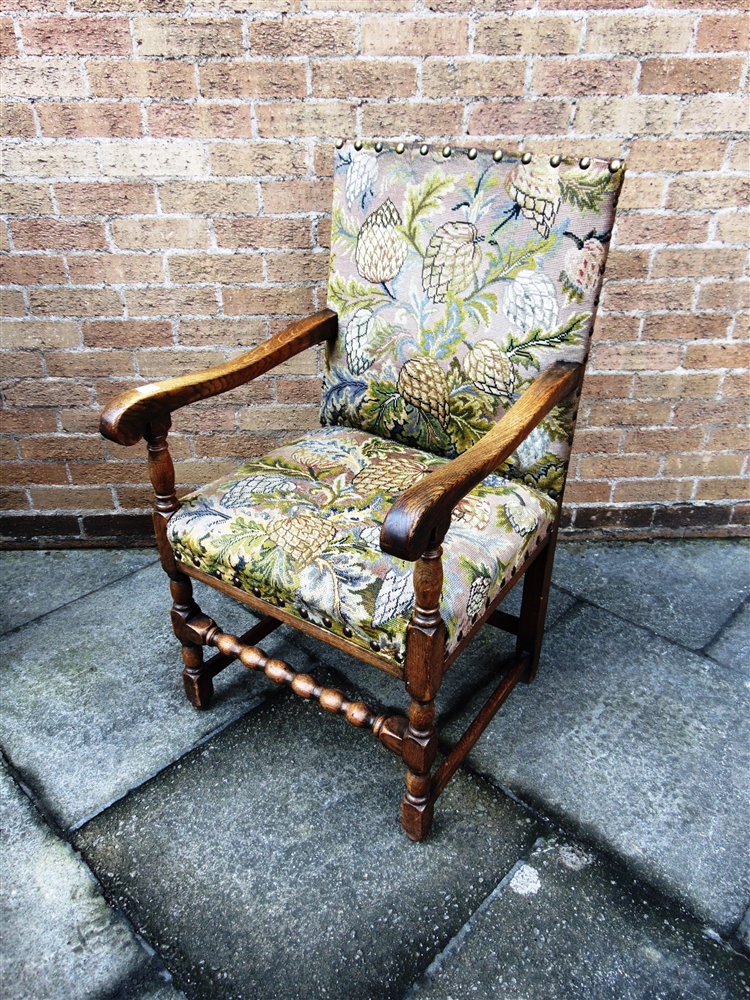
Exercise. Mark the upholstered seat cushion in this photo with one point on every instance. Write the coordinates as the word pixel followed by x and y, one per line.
pixel 301 527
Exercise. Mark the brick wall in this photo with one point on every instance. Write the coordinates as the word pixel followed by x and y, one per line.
pixel 167 187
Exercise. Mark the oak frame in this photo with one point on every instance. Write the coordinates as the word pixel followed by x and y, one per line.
pixel 414 529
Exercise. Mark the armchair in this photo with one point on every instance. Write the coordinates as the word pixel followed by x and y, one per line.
pixel 462 293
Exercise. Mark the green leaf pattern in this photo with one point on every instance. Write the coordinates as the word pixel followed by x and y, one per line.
pixel 486 247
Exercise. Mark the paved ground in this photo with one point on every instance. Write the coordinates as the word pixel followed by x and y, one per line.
pixel 596 847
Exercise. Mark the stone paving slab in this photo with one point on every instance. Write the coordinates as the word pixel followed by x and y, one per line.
pixel 35 583
pixel 566 926
pixel 732 645
pixel 683 590
pixel 270 863
pixel 92 696
pixel 60 939
pixel 642 748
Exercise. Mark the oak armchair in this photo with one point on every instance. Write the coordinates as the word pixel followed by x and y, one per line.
pixel 462 293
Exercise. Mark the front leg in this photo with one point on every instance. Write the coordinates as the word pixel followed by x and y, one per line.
pixel 425 654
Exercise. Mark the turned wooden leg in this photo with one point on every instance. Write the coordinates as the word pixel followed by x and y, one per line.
pixel 536 585
pixel 425 653
pixel 198 684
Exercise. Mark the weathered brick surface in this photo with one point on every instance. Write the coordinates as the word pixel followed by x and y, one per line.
pixel 166 207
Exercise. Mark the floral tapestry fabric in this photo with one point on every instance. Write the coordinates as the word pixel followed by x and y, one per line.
pixel 456 281
pixel 300 528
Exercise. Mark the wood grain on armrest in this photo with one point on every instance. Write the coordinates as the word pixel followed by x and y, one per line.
pixel 125 418
pixel 427 505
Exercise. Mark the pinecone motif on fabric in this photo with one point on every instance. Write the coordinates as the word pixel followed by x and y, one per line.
pixel 530 302
pixel 472 512
pixel 361 177
pixel 422 383
pixel 532 448
pixel 522 518
pixel 451 260
pixel 302 536
pixel 390 476
pixel 241 493
pixel 381 251
pixel 478 592
pixel 355 340
pixel 583 265
pixel 490 369
pixel 535 188
pixel 396 594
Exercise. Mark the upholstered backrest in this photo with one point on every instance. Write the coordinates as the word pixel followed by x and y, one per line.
pixel 458 275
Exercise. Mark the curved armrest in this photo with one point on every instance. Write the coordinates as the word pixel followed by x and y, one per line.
pixel 126 416
pixel 426 506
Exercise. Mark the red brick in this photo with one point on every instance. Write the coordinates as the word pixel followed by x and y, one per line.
pixel 8 46
pixel 615 326
pixel 415 36
pixel 116 269
pixel 662 228
pixel 588 492
pixel 71 498
pixel 724 295
pixel 676 154
pixel 121 78
pixel 695 192
pixel 21 364
pixel 16 120
pixel 701 464
pixel 684 326
pixel 255 79
pixel 576 77
pixel 424 120
pixel 623 264
pixel 297 265
pixel 161 233
pixel 178 37
pixel 33 473
pixel 38 335
pixel 695 263
pixel 303 36
pixel 343 78
pixel 25 199
pixel 225 268
pixel 75 302
pixel 728 355
pixel 467 78
pixel 652 489
pixel 723 33
pixel 736 384
pixel 225 332
pixel 305 119
pixel 61 392
pixel 199 121
pixel 510 35
pixel 62 446
pixel 261 301
pixel 89 364
pixel 638 357
pixel 690 75
pixel 76 36
pixel 55 234
pixel 520 118
pixel 32 270
pixel 11 303
pixel 723 489
pixel 628 296
pixel 253 233
pixel 663 440
pixel 27 421
pixel 675 386
pixel 171 302
pixel 101 198
pixel 618 466
pixel 297 196
pixel 258 159
pixel 127 333
pixel 85 119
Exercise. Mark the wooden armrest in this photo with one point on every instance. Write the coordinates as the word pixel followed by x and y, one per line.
pixel 427 506
pixel 126 416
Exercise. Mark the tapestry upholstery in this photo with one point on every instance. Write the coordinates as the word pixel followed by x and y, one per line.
pixel 457 279
pixel 300 527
